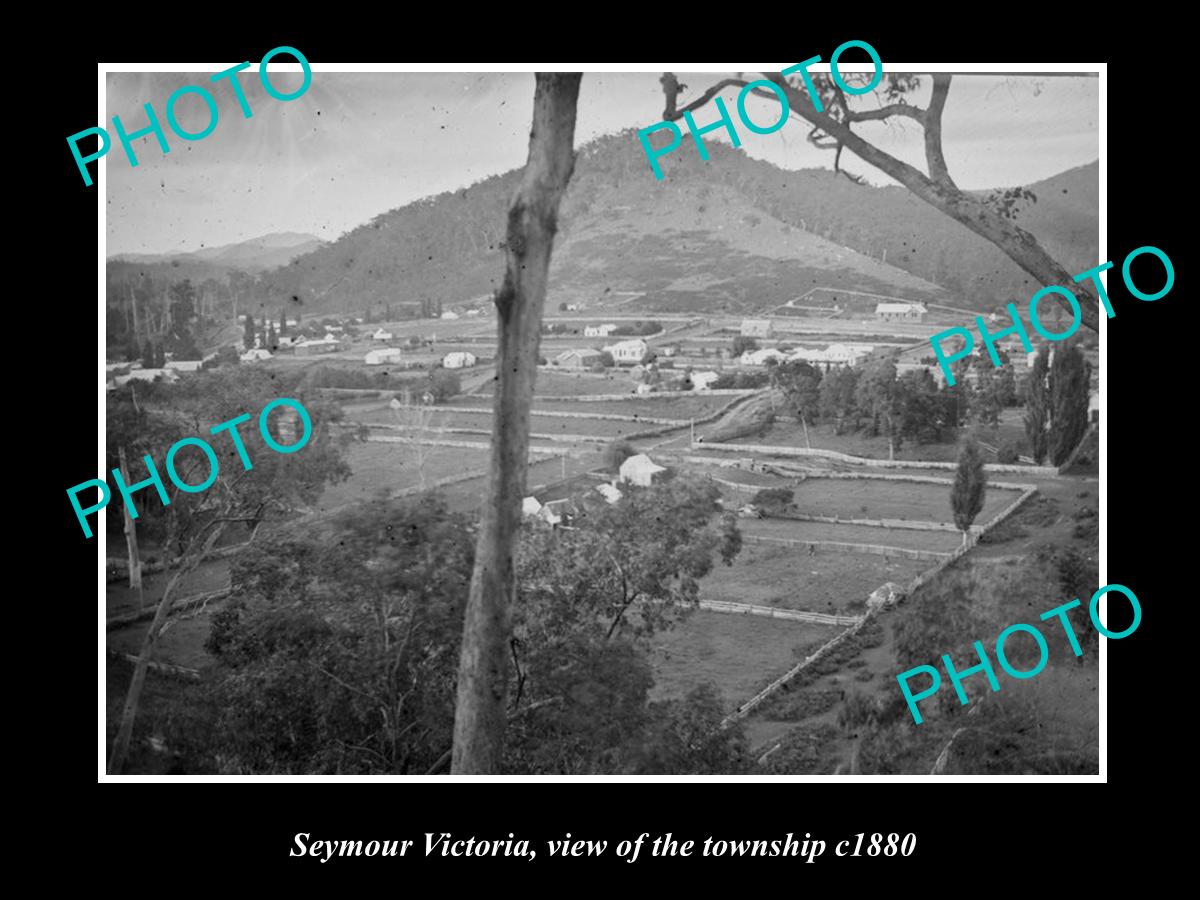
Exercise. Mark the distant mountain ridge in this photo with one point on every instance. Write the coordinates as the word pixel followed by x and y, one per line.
pixel 255 255
pixel 728 235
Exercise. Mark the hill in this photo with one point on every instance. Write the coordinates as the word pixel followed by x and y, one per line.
pixel 732 233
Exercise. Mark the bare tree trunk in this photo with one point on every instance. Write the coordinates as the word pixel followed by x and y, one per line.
pixel 479 715
pixel 125 732
pixel 131 544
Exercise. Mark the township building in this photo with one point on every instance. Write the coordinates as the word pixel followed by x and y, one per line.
pixel 627 352
pixel 900 312
pixel 642 470
pixel 598 330
pixel 459 359
pixel 381 357
pixel 834 354
pixel 577 359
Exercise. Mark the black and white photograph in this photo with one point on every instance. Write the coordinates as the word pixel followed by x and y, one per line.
pixel 608 422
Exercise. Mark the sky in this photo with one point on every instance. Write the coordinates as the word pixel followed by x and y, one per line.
pixel 358 144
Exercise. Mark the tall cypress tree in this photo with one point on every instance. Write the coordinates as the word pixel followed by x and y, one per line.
pixel 1069 380
pixel 970 486
pixel 283 322
pixel 248 336
pixel 1037 405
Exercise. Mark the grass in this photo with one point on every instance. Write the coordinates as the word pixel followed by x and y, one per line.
pixel 879 499
pixel 767 575
pixel 739 654
pixel 391 467
pixel 938 541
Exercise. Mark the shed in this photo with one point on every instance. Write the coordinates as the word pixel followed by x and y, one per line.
pixel 459 359
pixel 380 357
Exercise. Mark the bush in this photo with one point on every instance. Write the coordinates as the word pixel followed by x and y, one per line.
pixel 774 501
pixel 1009 453
pixel 742 344
pixel 859 709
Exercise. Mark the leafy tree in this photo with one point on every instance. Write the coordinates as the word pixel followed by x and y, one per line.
pixel 876 396
pixel 248 335
pixel 339 655
pixel 801 384
pixel 742 344
pixel 685 736
pixel 180 339
pixel 444 385
pixel 918 406
pixel 1070 377
pixel 629 569
pixel 774 501
pixel 272 341
pixel 276 487
pixel 836 396
pixel 148 356
pixel 970 486
pixel 160 356
pixel 616 453
pixel 1037 405
pixel 606 360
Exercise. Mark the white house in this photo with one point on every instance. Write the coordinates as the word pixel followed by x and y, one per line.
pixel 908 312
pixel 703 381
pixel 640 469
pixel 459 359
pixel 598 330
pixel 644 388
pixel 255 355
pixel 449 314
pixel 382 357
pixel 184 365
pixel 834 354
pixel 382 335
pixel 627 351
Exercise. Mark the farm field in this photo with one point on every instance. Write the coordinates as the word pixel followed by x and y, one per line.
pixel 377 467
pixel 449 418
pixel 771 575
pixel 739 654
pixel 937 541
pixel 880 499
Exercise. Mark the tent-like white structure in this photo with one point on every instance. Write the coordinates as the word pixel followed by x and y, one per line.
pixel 640 470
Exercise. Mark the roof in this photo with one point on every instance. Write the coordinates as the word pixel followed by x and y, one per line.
pixel 899 308
pixel 636 344
pixel 640 464
pixel 609 492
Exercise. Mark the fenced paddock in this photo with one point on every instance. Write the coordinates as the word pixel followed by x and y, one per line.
pixel 716 647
